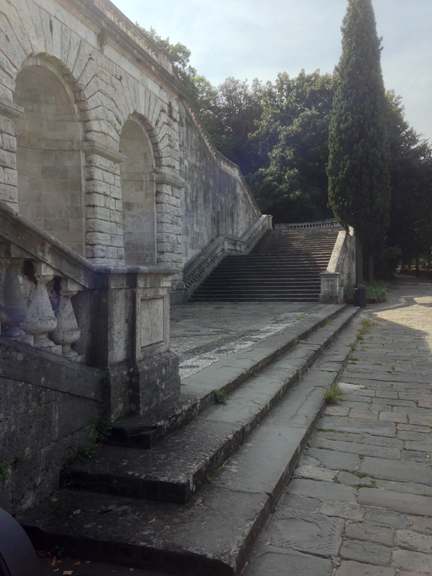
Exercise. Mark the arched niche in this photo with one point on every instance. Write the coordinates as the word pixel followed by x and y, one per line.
pixel 138 192
pixel 50 188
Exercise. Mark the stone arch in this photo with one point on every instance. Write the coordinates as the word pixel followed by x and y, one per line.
pixel 49 158
pixel 137 174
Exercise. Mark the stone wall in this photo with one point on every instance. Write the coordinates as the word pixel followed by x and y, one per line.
pixel 99 143
pixel 45 415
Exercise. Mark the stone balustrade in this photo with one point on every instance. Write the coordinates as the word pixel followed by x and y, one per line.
pixel 112 318
pixel 318 224
pixel 340 270
pixel 198 270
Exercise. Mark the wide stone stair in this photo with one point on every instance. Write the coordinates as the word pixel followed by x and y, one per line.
pixel 185 488
pixel 284 265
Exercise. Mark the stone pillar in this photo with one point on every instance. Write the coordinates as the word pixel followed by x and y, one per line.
pixel 67 331
pixel 331 292
pixel 40 320
pixel 104 210
pixel 13 309
pixel 8 146
pixel 169 214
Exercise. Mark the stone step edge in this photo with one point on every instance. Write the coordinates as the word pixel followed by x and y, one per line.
pixel 148 429
pixel 100 474
pixel 170 557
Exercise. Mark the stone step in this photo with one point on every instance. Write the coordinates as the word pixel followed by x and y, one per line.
pixel 214 532
pixel 227 374
pixel 178 466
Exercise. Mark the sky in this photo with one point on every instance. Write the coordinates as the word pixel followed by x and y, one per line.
pixel 250 39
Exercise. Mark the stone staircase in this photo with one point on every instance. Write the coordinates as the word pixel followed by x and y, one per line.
pixel 285 265
pixel 185 488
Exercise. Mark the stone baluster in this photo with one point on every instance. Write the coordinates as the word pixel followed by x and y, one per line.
pixel 41 320
pixel 13 308
pixel 67 331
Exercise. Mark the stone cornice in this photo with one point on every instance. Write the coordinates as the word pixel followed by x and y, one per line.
pixel 10 109
pixel 93 147
pixel 117 26
pixel 170 180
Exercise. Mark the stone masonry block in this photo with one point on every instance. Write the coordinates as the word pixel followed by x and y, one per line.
pixel 162 198
pixel 108 178
pixel 163 208
pixel 98 187
pixel 165 237
pixel 95 199
pixel 10 177
pixel 101 226
pixel 9 143
pixel 1 174
pixel 116 241
pixel 116 216
pixel 7 159
pixel 99 213
pixel 168 229
pixel 115 192
pixel 7 125
pixel 93 173
pixel 8 193
pixel 109 203
pixel 98 238
pixel 169 247
pixel 96 251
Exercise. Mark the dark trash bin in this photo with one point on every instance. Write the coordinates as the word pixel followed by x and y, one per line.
pixel 360 296
pixel 17 555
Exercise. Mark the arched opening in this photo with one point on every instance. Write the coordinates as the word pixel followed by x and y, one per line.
pixel 50 191
pixel 138 190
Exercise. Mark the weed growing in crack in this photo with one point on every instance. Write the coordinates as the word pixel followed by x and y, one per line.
pixel 332 395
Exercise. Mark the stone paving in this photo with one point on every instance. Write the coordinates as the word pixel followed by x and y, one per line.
pixel 360 501
pixel 204 332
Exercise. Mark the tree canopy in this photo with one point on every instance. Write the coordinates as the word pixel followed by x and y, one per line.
pixel 359 156
pixel 278 133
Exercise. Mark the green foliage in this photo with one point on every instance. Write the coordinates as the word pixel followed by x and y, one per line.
pixel 4 469
pixel 293 134
pixel 332 395
pixel 278 134
pixel 410 234
pixel 376 291
pixel 359 157
pixel 101 433
pixel 221 396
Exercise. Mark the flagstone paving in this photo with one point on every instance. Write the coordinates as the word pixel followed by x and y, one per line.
pixel 360 501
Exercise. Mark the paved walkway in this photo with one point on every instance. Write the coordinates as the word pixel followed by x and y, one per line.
pixel 204 332
pixel 360 502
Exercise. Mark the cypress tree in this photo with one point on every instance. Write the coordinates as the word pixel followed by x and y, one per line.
pixel 359 158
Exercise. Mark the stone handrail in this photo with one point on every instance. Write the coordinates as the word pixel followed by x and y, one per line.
pixel 318 224
pixel 339 271
pixel 255 233
pixel 201 267
pixel 39 276
pixel 198 270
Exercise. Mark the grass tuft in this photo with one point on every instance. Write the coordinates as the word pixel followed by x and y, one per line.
pixel 332 395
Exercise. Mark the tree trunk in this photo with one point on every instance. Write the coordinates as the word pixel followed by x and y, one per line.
pixel 359 260
pixel 417 272
pixel 370 269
